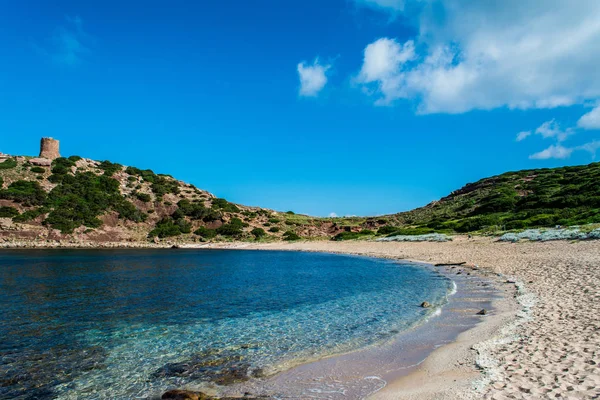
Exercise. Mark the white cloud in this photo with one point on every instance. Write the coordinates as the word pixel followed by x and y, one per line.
pixel 523 135
pixel 554 151
pixel 591 147
pixel 382 65
pixel 312 77
pixel 392 5
pixel 551 129
pixel 560 152
pixel 333 215
pixel 514 53
pixel 590 120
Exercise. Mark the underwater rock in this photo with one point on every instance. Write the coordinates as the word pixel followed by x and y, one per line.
pixel 482 312
pixel 36 374
pixel 189 395
pixel 425 304
pixel 184 395
pixel 223 368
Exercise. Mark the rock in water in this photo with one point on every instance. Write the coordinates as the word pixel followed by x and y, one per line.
pixel 482 312
pixel 425 304
pixel 183 395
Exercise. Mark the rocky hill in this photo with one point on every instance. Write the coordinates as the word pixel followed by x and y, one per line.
pixel 76 200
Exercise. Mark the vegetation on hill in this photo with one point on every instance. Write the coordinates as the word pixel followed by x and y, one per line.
pixel 78 196
pixel 514 200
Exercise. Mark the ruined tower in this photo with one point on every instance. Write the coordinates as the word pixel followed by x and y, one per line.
pixel 49 148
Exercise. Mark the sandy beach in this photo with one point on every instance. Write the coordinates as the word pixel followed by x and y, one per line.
pixel 543 342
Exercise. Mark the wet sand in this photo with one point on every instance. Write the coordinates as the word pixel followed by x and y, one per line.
pixel 361 373
pixel 542 341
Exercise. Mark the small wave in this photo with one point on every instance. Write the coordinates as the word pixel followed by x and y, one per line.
pixel 453 289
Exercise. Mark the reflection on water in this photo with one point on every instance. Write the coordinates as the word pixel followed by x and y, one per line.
pixel 130 323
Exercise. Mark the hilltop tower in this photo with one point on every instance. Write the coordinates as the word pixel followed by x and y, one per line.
pixel 49 148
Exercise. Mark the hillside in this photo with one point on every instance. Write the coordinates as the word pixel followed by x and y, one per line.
pixel 80 200
pixel 515 200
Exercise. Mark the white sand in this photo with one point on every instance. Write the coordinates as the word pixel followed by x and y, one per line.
pixel 550 350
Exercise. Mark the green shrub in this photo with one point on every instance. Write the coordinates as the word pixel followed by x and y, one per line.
pixel 205 232
pixel 8 164
pixel 1 182
pixel 386 230
pixel 346 236
pixel 290 236
pixel 38 170
pixel 258 232
pixel 167 227
pixel 145 197
pixel 110 168
pixel 162 185
pixel 62 166
pixel 128 211
pixel 8 212
pixel 196 211
pixel 30 215
pixel 229 230
pixel 79 199
pixel 224 205
pixel 74 158
pixel 26 192
pixel 147 174
pixel 290 213
pixel 274 229
pixel 274 220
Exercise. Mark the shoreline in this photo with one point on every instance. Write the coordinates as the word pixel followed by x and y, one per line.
pixel 549 347
pixel 402 357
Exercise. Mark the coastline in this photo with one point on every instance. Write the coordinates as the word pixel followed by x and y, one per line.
pixel 371 371
pixel 547 346
pixel 545 343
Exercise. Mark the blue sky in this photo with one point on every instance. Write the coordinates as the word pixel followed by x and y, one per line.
pixel 351 107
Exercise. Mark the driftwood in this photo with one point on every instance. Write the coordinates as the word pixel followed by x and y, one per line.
pixel 449 264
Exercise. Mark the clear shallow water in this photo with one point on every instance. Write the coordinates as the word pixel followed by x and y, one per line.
pixel 133 323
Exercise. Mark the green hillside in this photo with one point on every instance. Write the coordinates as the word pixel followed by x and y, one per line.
pixel 102 201
pixel 515 200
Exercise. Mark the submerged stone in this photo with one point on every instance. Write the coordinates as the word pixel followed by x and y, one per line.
pixel 223 368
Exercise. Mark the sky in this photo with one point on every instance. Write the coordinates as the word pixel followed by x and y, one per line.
pixel 329 107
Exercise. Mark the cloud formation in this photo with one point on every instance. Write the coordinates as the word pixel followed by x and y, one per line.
pixel 68 46
pixel 551 129
pixel 560 152
pixel 313 77
pixel 523 135
pixel 382 68
pixel 554 151
pixel 590 120
pixel 484 55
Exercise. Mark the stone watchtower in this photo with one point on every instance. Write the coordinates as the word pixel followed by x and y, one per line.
pixel 49 148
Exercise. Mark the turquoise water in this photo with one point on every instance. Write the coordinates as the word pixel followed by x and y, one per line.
pixel 133 323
